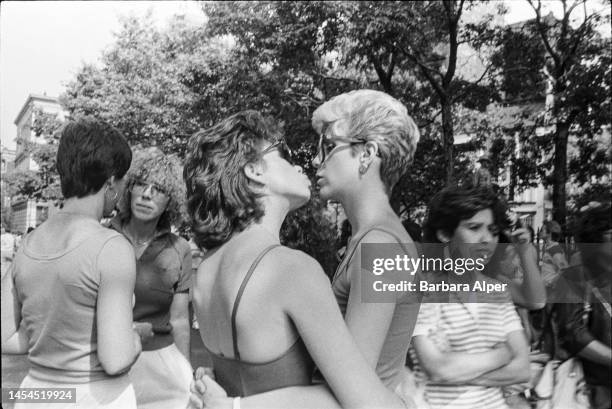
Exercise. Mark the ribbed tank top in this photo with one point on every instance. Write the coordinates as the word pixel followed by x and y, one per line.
pixel 240 378
pixel 58 294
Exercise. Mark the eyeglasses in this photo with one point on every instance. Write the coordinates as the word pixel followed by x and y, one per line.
pixel 328 147
pixel 141 186
pixel 283 149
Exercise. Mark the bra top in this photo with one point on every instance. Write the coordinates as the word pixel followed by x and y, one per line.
pixel 239 378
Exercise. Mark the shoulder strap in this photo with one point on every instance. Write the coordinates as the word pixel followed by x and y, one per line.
pixel 349 255
pixel 239 296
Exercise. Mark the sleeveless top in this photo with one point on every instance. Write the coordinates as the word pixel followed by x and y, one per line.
pixel 58 295
pixel 240 378
pixel 392 356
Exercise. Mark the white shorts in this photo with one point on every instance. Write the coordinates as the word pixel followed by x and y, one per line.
pixel 111 393
pixel 161 379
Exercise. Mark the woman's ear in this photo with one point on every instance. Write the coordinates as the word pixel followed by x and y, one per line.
pixel 370 151
pixel 442 236
pixel 254 171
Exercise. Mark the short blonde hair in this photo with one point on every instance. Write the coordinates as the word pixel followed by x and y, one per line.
pixel 370 115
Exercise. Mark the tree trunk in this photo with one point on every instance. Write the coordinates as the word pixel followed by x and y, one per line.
pixel 560 172
pixel 448 139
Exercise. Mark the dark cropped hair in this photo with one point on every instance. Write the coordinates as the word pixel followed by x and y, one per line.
pixel 453 204
pixel 220 199
pixel 89 152
pixel 589 229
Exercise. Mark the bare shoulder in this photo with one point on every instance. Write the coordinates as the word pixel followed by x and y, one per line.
pixel 297 268
pixel 391 236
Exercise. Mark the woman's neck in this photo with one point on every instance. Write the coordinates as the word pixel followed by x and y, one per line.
pixel 367 208
pixel 275 212
pixel 141 231
pixel 88 206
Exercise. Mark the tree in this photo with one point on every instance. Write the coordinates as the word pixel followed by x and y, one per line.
pixel 42 184
pixel 423 38
pixel 139 86
pixel 569 50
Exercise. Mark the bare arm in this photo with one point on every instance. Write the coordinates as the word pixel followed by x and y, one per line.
pixel 118 344
pixel 179 318
pixel 11 307
pixel 312 307
pixel 516 371
pixel 596 351
pixel 17 344
pixel 457 367
pixel 531 293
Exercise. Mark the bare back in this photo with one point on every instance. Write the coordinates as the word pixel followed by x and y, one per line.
pixel 263 328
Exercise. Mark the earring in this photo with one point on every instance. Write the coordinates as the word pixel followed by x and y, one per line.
pixel 114 197
pixel 363 168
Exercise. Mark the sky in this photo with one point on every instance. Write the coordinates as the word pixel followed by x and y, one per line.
pixel 44 43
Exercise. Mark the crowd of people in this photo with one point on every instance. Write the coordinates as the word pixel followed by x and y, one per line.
pixel 104 307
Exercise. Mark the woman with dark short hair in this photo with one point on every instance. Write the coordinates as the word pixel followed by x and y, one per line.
pixel 152 204
pixel 266 312
pixel 468 343
pixel 74 280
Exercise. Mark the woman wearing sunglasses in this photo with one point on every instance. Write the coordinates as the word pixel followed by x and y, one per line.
pixel 266 312
pixel 149 207
pixel 367 142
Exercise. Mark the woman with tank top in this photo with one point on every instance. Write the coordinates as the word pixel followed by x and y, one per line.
pixel 367 141
pixel 151 205
pixel 266 312
pixel 74 279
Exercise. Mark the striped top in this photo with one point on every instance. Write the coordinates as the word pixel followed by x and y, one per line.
pixel 471 328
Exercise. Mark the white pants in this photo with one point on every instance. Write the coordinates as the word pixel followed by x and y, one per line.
pixel 161 379
pixel 111 393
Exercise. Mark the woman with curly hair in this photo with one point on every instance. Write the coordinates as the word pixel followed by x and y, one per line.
pixel 468 344
pixel 265 309
pixel 150 206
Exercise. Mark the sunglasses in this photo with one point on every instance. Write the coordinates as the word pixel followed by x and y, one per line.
pixel 328 147
pixel 140 186
pixel 283 149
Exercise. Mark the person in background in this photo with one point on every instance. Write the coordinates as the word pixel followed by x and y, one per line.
pixel 584 320
pixel 554 259
pixel 8 250
pixel 466 349
pixel 482 175
pixel 72 280
pixel 151 205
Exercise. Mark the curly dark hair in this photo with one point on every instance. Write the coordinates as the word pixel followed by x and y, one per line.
pixel 453 204
pixel 220 198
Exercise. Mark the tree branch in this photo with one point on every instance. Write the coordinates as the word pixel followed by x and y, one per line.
pixel 425 70
pixel 543 32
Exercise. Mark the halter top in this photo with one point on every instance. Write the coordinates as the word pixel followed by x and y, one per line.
pixel 240 378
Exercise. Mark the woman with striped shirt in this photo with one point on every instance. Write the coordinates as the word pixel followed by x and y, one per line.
pixel 467 345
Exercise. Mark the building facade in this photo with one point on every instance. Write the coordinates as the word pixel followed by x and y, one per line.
pixel 26 213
